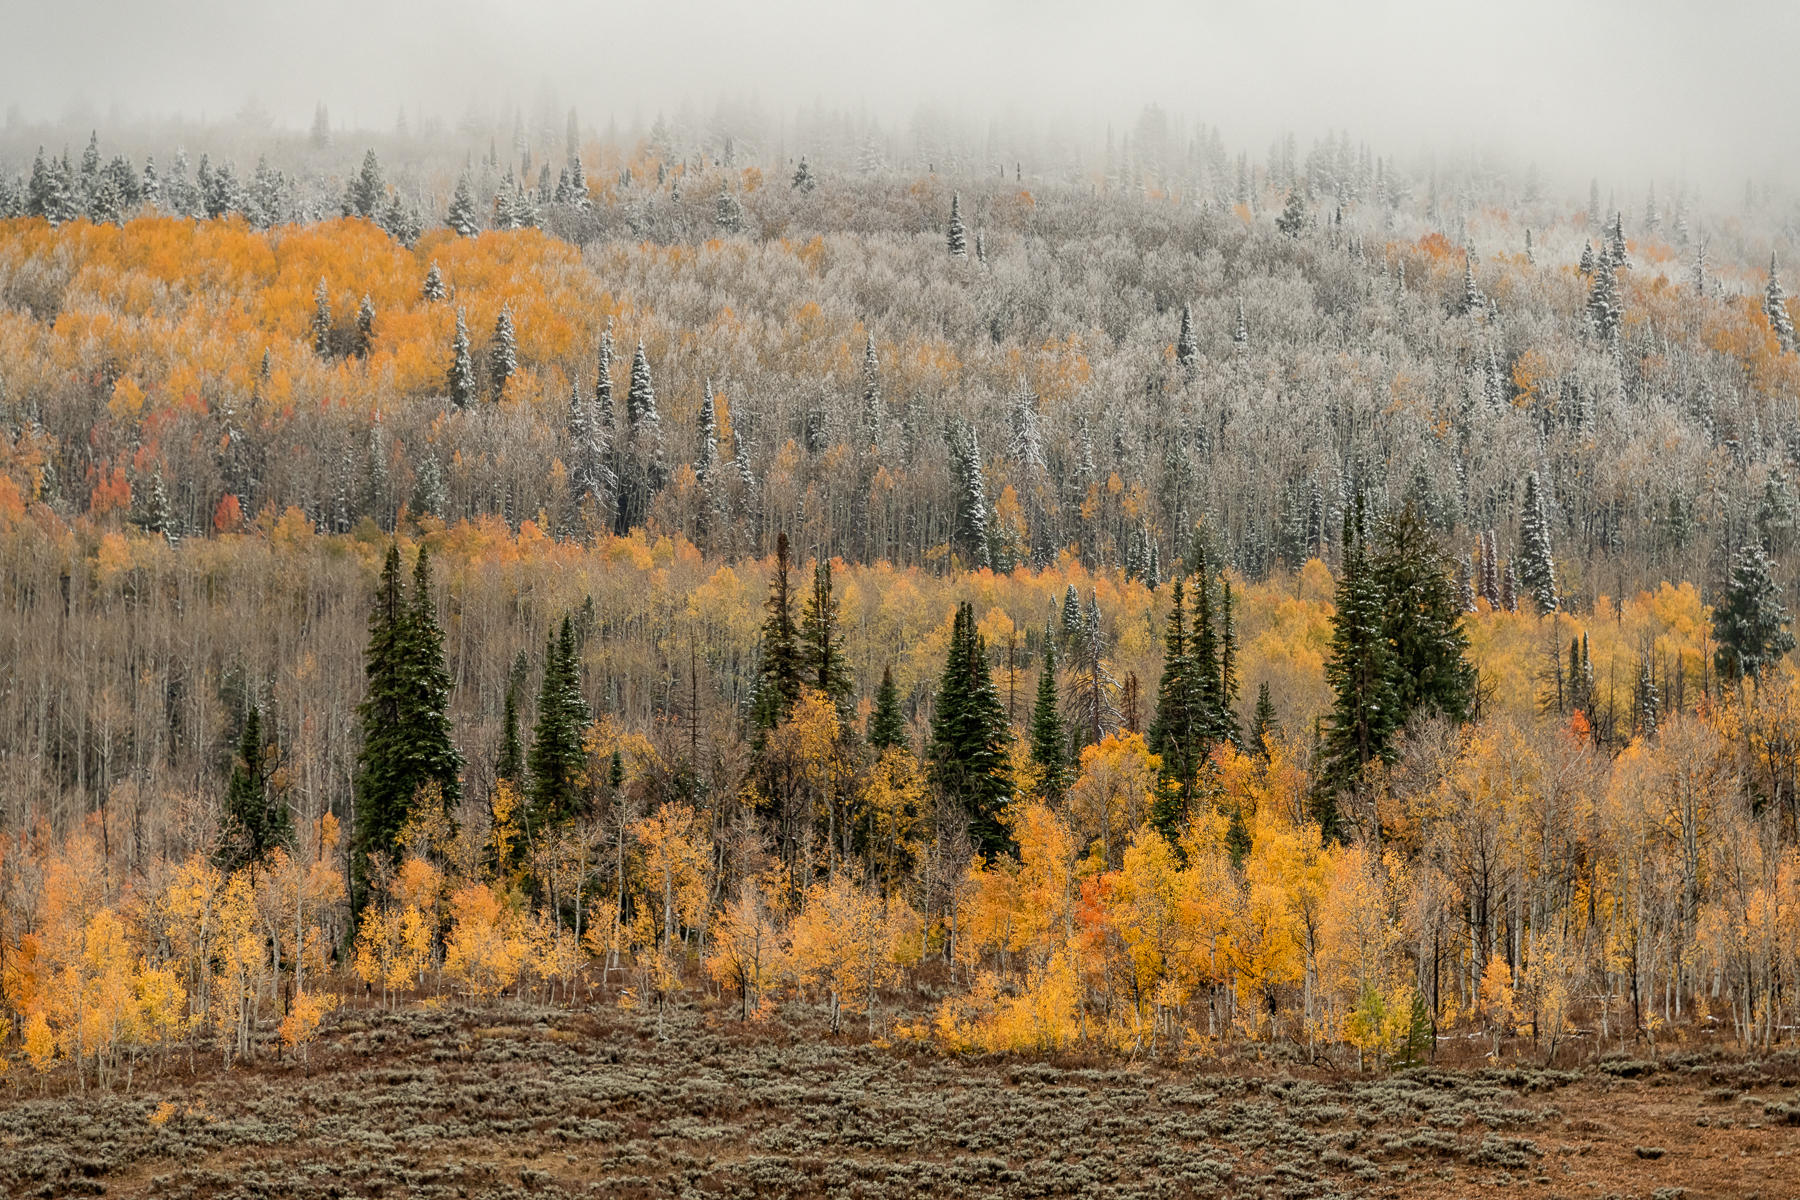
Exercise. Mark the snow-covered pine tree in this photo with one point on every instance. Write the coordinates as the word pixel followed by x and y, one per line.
pixel 1471 295
pixel 1605 310
pixel 1071 613
pixel 728 213
pixel 1615 244
pixel 574 173
pixel 971 527
pixel 503 354
pixel 365 328
pixel 1293 215
pixel 1537 570
pixel 462 216
pixel 640 396
pixel 1187 344
pixel 804 179
pixel 1775 307
pixel 433 290
pixel 459 382
pixel 1750 622
pixel 150 184
pixel 1026 447
pixel 367 190
pixel 590 476
pixel 706 466
pixel 957 237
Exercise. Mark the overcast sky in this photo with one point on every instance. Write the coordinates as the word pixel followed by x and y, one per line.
pixel 1640 87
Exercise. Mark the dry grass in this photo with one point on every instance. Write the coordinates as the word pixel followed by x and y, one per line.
pixel 519 1101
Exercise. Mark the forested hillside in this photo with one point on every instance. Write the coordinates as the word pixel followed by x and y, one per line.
pixel 1137 601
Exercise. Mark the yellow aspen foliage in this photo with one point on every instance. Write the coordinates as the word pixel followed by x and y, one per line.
pixel 1113 793
pixel 676 852
pixel 240 966
pixel 745 949
pixel 161 1016
pixel 849 943
pixel 1499 1001
pixel 486 948
pixel 306 1011
pixel 1041 1016
pixel 40 1041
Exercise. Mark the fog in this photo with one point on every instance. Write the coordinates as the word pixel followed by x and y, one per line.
pixel 1630 89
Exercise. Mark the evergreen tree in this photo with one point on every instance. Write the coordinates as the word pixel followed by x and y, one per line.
pixel 707 465
pixel 1187 344
pixel 366 192
pixel 1225 720
pixel 399 222
pixel 382 784
pixel 643 474
pixel 48 194
pixel 957 236
pixel 781 672
pixel 874 413
pixel 591 478
pixel 1263 724
pixel 1027 445
pixel 1293 215
pixel 821 643
pixel 1071 613
pixel 728 212
pixel 1750 622
pixel 406 727
pixel 557 755
pixel 462 216
pixel 887 725
pixel 254 822
pixel 321 322
pixel 1423 621
pixel 969 737
pixel 1471 295
pixel 971 529
pixel 460 381
pixel 1049 739
pixel 365 328
pixel 503 354
pixel 434 285
pixel 1360 670
pixel 1537 570
pixel 1175 728
pixel 510 764
pixel 1616 254
pixel 157 516
pixel 1775 307
pixel 430 746
pixel 804 180
pixel 429 495
pixel 1606 309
